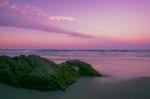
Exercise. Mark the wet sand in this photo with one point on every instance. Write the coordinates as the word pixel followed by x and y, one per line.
pixel 86 88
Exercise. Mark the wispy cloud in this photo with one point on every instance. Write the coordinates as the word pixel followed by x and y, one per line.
pixel 28 22
pixel 34 10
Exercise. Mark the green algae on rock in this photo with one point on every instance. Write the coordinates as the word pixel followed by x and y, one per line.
pixel 35 72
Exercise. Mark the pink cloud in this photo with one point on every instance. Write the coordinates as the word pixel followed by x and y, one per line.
pixel 27 17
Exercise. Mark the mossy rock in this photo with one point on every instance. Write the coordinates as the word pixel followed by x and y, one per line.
pixel 84 69
pixel 35 72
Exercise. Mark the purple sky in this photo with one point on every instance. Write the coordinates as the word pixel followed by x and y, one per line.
pixel 78 24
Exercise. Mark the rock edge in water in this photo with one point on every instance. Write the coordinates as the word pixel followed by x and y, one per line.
pixel 35 72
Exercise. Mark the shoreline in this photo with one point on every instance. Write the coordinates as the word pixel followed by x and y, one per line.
pixel 123 90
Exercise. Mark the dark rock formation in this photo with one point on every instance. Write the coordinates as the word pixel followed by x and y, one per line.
pixel 35 72
pixel 84 69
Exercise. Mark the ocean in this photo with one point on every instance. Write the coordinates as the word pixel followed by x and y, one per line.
pixel 126 75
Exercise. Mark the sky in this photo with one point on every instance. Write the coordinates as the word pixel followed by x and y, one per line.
pixel 75 24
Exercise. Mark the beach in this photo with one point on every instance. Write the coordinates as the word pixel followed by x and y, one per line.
pixel 126 75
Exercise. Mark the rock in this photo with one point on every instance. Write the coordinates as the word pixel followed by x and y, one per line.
pixel 84 69
pixel 35 72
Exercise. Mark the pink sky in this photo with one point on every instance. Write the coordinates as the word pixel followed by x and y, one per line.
pixel 78 24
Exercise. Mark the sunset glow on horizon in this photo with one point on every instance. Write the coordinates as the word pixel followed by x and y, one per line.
pixel 75 24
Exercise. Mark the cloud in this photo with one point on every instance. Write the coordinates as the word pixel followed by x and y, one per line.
pixel 50 29
pixel 27 18
pixel 61 18
pixel 33 10
pixel 14 20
